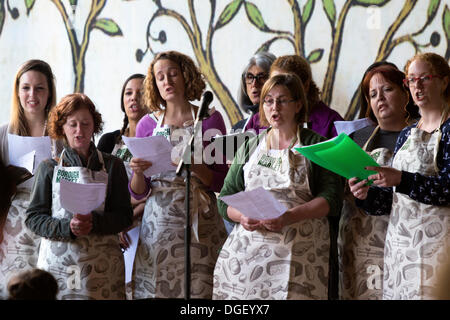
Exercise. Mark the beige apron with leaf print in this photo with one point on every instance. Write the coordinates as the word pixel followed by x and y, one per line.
pixel 361 243
pixel 418 236
pixel 89 267
pixel 20 246
pixel 291 264
pixel 159 263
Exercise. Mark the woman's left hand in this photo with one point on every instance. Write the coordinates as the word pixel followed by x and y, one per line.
pixel 277 224
pixel 386 176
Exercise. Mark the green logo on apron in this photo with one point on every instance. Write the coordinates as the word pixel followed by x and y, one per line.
pixel 270 162
pixel 165 132
pixel 124 154
pixel 71 176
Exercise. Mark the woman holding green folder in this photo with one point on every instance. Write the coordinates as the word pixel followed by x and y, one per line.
pixel 288 257
pixel 418 235
pixel 361 237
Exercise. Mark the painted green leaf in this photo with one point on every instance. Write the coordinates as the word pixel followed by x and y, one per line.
pixel 228 13
pixel 255 16
pixel 367 3
pixel 315 56
pixel 432 9
pixel 73 2
pixel 108 26
pixel 307 10
pixel 446 22
pixel 330 10
pixel 29 5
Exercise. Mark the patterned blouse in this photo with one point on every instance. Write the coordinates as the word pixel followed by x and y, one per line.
pixel 433 190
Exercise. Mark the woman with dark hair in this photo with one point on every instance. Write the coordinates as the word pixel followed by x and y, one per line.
pixel 81 251
pixel 111 142
pixel 172 82
pixel 414 190
pixel 288 257
pixel 34 95
pixel 361 237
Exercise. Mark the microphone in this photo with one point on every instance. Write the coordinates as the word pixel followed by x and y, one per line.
pixel 202 113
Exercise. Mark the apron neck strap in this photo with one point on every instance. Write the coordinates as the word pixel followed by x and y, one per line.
pixel 294 139
pixel 375 131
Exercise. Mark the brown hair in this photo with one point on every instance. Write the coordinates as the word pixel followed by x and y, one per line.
pixel 295 87
pixel 18 123
pixel 65 108
pixel 34 284
pixel 300 66
pixel 438 65
pixel 193 80
pixel 395 76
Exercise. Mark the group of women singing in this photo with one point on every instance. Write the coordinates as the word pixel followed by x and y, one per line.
pixel 386 237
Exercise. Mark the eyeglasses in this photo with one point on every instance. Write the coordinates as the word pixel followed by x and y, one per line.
pixel 270 102
pixel 260 78
pixel 413 81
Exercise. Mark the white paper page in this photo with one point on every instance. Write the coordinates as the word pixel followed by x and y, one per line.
pixel 155 149
pixel 130 253
pixel 20 146
pixel 257 204
pixel 26 161
pixel 81 198
pixel 349 127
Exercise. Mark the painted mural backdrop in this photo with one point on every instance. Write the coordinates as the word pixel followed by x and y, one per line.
pixel 93 45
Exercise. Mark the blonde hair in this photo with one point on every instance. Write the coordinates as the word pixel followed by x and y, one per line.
pixel 193 80
pixel 18 123
pixel 293 83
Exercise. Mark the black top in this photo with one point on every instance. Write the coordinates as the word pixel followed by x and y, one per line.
pixel 383 138
pixel 108 141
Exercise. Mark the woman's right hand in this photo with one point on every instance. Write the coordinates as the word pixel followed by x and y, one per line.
pixel 139 165
pixel 359 189
pixel 81 224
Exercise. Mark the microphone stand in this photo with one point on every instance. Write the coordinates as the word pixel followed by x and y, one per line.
pixel 186 165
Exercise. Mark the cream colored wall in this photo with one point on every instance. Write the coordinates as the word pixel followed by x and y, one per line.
pixel 110 60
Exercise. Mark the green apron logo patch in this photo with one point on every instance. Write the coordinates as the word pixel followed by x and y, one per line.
pixel 270 162
pixel 71 176
pixel 124 154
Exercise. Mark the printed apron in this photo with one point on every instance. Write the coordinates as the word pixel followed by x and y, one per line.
pixel 20 246
pixel 361 244
pixel 159 263
pixel 418 235
pixel 291 264
pixel 89 267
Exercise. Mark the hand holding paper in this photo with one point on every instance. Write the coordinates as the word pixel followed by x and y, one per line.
pixel 257 204
pixel 155 149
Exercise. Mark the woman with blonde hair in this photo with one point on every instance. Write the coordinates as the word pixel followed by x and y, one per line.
pixel 172 82
pixel 288 257
pixel 415 190
pixel 33 97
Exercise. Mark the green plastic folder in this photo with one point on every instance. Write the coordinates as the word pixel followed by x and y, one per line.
pixel 340 155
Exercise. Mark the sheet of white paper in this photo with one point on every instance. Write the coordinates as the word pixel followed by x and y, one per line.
pixel 130 253
pixel 155 149
pixel 20 146
pixel 349 127
pixel 257 204
pixel 26 161
pixel 81 198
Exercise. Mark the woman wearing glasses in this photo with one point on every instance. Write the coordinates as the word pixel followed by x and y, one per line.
pixel 417 240
pixel 287 257
pixel 253 78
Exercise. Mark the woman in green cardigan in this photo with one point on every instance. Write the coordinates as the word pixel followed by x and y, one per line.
pixel 288 257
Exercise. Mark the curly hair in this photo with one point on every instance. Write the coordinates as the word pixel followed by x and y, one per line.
pixel 65 108
pixel 193 80
pixel 438 65
pixel 295 87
